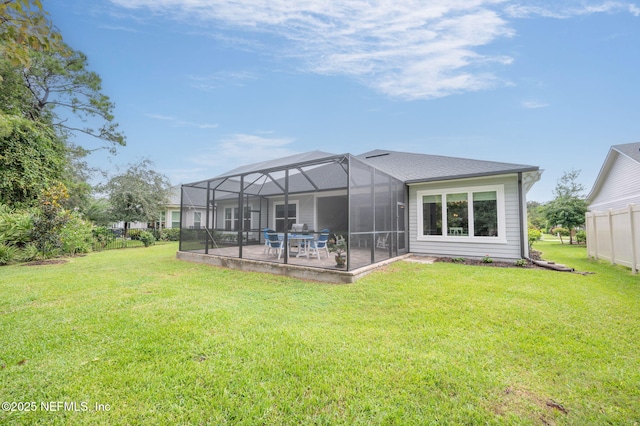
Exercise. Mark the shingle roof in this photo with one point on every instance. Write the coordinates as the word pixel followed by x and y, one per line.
pixel 631 150
pixel 413 168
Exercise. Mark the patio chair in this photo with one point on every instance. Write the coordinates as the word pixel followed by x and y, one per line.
pixel 267 246
pixel 320 244
pixel 275 243
pixel 382 241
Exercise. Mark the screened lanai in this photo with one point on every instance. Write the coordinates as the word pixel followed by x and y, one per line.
pixel 299 198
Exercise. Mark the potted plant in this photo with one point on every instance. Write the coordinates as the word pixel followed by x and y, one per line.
pixel 339 247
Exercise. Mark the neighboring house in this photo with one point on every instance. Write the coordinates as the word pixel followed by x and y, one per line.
pixel 385 202
pixel 618 183
pixel 170 217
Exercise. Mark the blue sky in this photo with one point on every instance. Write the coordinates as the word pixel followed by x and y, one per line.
pixel 204 86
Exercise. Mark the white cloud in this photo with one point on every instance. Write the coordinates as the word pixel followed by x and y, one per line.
pixel 182 123
pixel 220 79
pixel 413 49
pixel 241 149
pixel 568 8
pixel 531 104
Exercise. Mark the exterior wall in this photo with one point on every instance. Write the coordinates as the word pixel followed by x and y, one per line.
pixel 621 185
pixel 306 209
pixel 507 248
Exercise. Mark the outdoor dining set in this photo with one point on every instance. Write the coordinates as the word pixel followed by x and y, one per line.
pixel 305 243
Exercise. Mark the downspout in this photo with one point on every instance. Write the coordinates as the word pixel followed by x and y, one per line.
pixel 523 228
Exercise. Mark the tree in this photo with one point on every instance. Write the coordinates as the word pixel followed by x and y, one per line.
pixel 137 195
pixel 568 208
pixel 59 81
pixel 24 26
pixel 31 159
pixel 535 214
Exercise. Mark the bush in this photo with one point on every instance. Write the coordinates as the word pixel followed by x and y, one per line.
pixel 134 234
pixel 533 236
pixel 76 235
pixel 7 254
pixel 171 234
pixel 15 227
pixel 564 232
pixel 29 252
pixel 147 238
pixel 101 237
pixel 581 237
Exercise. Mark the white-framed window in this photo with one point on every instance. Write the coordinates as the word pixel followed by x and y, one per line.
pixel 175 219
pixel 462 214
pixel 278 215
pixel 231 218
pixel 197 220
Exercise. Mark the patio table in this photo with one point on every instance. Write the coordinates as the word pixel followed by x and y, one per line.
pixel 303 244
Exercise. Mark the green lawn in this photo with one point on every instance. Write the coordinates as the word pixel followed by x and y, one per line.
pixel 155 340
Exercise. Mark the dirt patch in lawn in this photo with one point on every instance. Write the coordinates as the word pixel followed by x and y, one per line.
pixel 524 263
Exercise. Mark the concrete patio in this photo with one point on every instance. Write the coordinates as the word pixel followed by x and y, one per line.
pixel 324 269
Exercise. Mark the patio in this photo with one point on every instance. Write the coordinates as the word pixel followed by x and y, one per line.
pixel 226 216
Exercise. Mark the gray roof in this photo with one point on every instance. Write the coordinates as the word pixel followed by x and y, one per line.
pixel 317 170
pixel 413 168
pixel 631 150
pixel 291 160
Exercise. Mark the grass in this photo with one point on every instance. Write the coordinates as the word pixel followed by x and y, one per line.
pixel 162 341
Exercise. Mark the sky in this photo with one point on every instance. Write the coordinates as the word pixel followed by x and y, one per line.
pixel 204 86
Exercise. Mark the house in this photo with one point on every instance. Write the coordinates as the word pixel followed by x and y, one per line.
pixel 382 203
pixel 618 183
pixel 613 220
pixel 170 216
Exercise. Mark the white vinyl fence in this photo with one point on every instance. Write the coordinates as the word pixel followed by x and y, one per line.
pixel 614 235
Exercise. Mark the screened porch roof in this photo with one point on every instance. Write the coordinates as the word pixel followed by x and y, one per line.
pixel 307 172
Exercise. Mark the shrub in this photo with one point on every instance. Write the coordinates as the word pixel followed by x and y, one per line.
pixel 15 227
pixel 134 234
pixel 487 259
pixel 8 254
pixel 533 236
pixel 29 252
pixel 171 234
pixel 564 232
pixel 147 238
pixel 101 237
pixel 521 263
pixel 581 237
pixel 76 235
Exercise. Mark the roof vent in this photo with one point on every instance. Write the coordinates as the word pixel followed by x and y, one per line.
pixel 377 155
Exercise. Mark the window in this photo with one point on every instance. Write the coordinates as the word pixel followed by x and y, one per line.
pixel 458 214
pixel 485 214
pixel 432 215
pixel 279 216
pixel 197 220
pixel 464 213
pixel 175 219
pixel 231 218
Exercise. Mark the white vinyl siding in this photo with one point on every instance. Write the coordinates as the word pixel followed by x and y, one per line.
pixel 506 246
pixel 621 186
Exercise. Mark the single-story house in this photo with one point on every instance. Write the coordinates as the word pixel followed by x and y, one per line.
pixel 381 203
pixel 618 183
pixel 170 216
